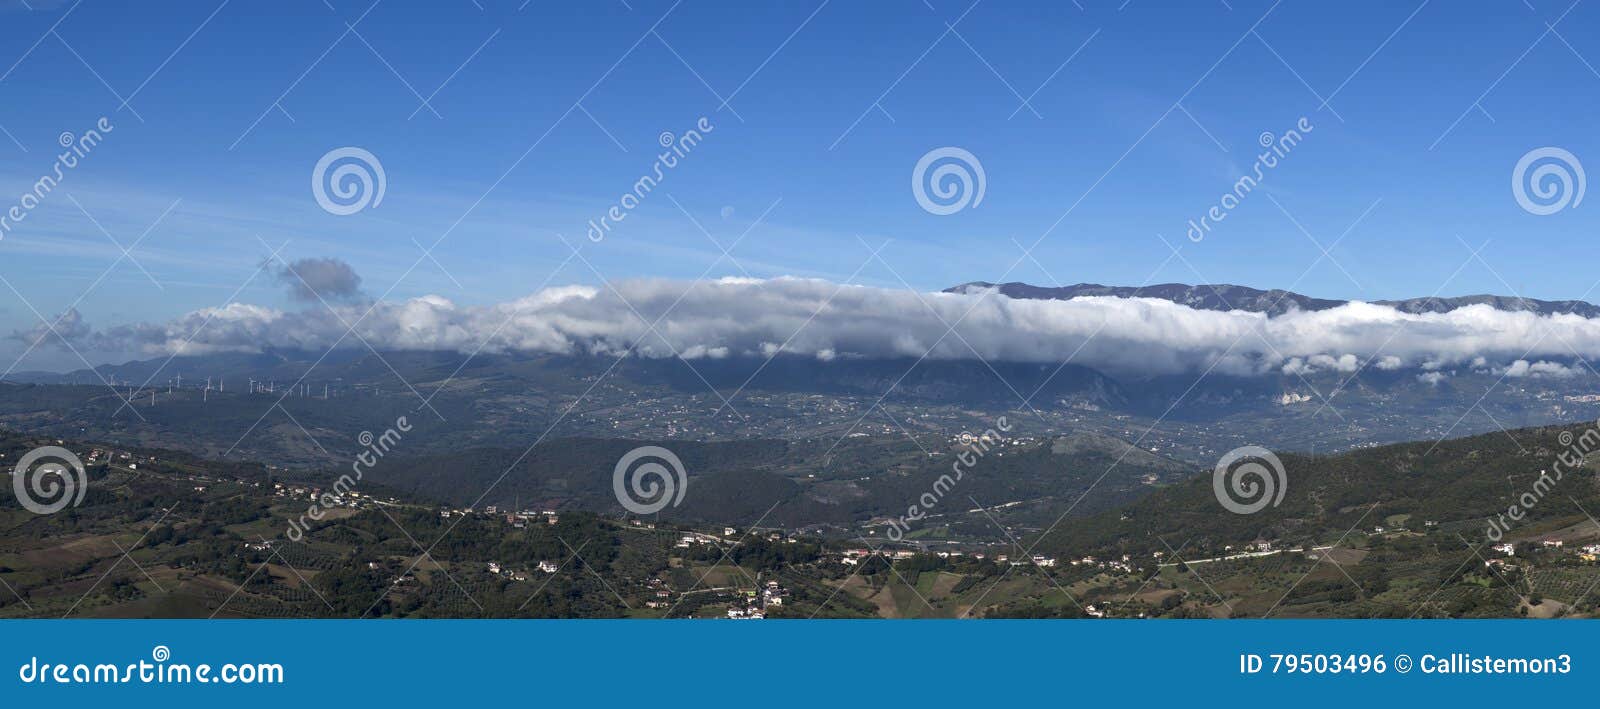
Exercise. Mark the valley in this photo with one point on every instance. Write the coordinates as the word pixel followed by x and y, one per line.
pixel 210 539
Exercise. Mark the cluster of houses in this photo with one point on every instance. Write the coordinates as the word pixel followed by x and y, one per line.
pixel 1095 611
pixel 754 605
pixel 517 519
pixel 1035 560
pixel 1125 564
pixel 995 439
pixel 729 534
pixel 1589 553
pixel 690 539
pixel 546 567
pixel 520 520
pixel 660 595
pixel 350 499
pixel 96 453
pixel 852 557
pixel 97 456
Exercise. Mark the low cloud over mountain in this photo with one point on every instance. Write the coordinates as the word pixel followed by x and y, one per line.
pixel 814 318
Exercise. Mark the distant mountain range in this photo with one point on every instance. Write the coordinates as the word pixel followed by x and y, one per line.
pixel 304 407
pixel 1227 297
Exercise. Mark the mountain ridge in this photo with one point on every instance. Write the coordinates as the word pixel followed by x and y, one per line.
pixel 1273 302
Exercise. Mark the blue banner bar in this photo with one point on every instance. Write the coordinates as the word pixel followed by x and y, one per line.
pixel 776 663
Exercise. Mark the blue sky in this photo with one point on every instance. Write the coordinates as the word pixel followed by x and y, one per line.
pixel 542 114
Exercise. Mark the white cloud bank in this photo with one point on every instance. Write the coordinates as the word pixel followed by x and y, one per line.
pixel 734 317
